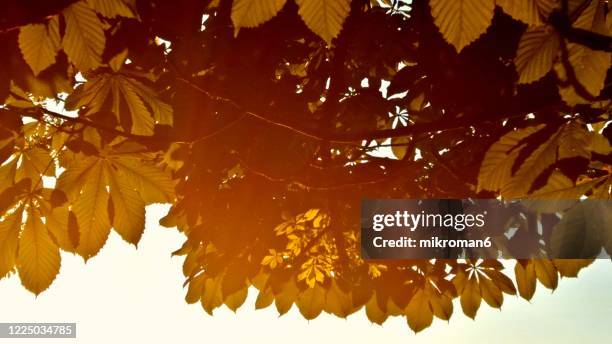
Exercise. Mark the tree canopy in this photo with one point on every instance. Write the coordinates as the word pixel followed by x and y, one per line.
pixel 264 123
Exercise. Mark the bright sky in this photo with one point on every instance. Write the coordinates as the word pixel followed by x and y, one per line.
pixel 126 295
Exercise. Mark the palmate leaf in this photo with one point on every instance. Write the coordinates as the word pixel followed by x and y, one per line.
pixel 39 44
pixel 112 190
pixel 84 39
pixel 144 106
pixel 252 13
pixel 324 17
pixel 462 21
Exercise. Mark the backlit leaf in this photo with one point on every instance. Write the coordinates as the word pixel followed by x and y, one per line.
pixel 374 313
pixel 546 273
pixel 252 13
pixel 128 207
pixel 418 311
pixel 470 298
pixel 525 279
pixel 324 17
pixel 84 39
pixel 112 8
pixel 531 12
pixel 39 44
pixel 38 261
pixel 310 302
pixel 10 226
pixel 153 183
pixel 91 210
pixel 536 53
pixel 496 167
pixel 462 21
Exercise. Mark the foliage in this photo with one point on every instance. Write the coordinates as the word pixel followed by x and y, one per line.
pixel 264 123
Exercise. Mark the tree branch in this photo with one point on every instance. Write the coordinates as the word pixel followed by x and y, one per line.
pixel 40 112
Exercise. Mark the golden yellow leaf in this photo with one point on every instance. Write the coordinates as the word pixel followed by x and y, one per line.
pixel 536 53
pixel 559 193
pixel 462 21
pixel 574 141
pixel 337 301
pixel 324 17
pixel 264 299
pixel 496 167
pixel 530 12
pixel 491 293
pixel 153 183
pixel 84 39
pixel 212 297
pixel 374 312
pixel 285 299
pixel 546 273
pixel 56 221
pixel 35 162
pixel 72 179
pixel 525 279
pixel 252 13
pixel 38 261
pixel 568 141
pixel 142 121
pixel 39 44
pixel 162 112
pixel 571 267
pixel 112 8
pixel 236 299
pixel 94 93
pixel 418 312
pixel 470 298
pixel 600 144
pixel 117 61
pixel 195 289
pixel 400 147
pixel 128 207
pixel 502 281
pixel 441 304
pixel 9 239
pixel 91 210
pixel 310 302
pixel 7 174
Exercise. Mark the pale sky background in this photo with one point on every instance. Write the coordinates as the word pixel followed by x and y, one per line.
pixel 125 295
